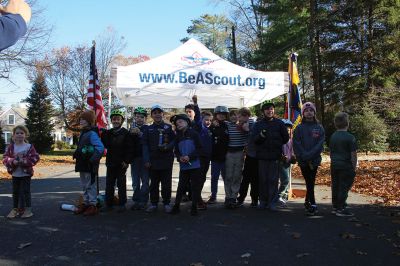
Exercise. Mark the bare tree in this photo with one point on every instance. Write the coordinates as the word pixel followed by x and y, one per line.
pixel 68 70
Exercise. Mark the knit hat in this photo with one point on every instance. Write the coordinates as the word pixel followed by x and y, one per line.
pixel 89 117
pixel 308 105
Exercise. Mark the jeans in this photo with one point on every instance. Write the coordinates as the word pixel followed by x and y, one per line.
pixel 165 178
pixel 309 176
pixel 342 180
pixel 21 184
pixel 88 183
pixel 217 168
pixel 115 173
pixel 250 177
pixel 269 178
pixel 284 178
pixel 140 181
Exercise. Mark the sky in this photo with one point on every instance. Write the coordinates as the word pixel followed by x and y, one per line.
pixel 150 27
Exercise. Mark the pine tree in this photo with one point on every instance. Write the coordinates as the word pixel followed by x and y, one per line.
pixel 2 141
pixel 39 115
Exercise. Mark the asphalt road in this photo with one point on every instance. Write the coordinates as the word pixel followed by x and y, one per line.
pixel 217 236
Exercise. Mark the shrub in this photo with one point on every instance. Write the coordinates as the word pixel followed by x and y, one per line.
pixel 370 131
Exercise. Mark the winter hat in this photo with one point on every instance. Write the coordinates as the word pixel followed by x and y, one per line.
pixel 89 117
pixel 308 105
pixel 175 118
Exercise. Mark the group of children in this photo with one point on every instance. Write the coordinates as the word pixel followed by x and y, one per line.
pixel 243 151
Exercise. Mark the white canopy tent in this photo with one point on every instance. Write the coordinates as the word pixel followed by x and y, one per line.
pixel 172 79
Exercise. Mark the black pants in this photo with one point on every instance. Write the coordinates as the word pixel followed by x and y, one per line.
pixel 115 173
pixel 21 189
pixel 204 166
pixel 250 177
pixel 309 176
pixel 192 175
pixel 164 177
pixel 342 180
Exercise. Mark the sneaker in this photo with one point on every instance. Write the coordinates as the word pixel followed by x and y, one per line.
pixel 193 211
pixel 313 210
pixel 253 204
pixel 239 203
pixel 135 206
pixel 202 206
pixel 80 209
pixel 27 213
pixel 167 208
pixel 211 200
pixel 185 198
pixel 281 203
pixel 151 208
pixel 175 210
pixel 344 213
pixel 307 206
pixel 262 206
pixel 121 209
pixel 91 211
pixel 334 210
pixel 13 214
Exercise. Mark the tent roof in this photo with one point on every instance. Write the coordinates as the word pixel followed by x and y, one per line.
pixel 172 79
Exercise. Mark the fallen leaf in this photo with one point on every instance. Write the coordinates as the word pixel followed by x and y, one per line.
pixel 24 245
pixel 286 225
pixel 396 221
pixel 162 238
pixel 358 225
pixel 398 233
pixel 91 251
pixel 361 253
pixel 196 264
pixel 348 236
pixel 82 242
pixel 246 255
pixel 296 235
pixel 353 219
pixel 302 255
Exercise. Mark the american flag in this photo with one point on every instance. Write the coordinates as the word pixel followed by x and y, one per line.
pixel 95 93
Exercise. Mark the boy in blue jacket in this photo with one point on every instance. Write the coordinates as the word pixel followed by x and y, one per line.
pixel 87 156
pixel 187 147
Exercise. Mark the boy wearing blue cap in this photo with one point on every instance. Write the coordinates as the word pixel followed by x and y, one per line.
pixel 158 145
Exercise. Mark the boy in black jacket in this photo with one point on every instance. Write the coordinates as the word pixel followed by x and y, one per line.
pixel 220 140
pixel 120 150
pixel 158 157
pixel 269 136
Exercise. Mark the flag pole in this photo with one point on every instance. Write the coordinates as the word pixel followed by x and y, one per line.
pixel 94 78
pixel 289 112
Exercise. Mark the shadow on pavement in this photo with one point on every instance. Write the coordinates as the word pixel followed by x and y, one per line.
pixel 216 237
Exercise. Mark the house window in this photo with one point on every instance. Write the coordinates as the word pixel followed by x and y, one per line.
pixel 11 119
pixel 7 137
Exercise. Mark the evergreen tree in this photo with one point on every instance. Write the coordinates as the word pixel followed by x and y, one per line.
pixel 39 115
pixel 2 142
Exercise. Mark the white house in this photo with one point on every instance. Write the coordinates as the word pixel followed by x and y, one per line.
pixel 16 115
